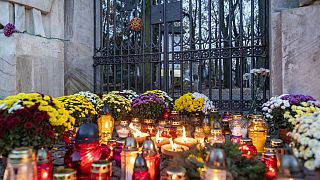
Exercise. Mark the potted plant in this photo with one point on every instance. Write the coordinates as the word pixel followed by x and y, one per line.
pixel 306 143
pixel 32 119
pixel 282 112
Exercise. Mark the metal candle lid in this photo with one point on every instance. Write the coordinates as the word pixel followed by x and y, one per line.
pixel 174 113
pixel 64 173
pixel 216 131
pixel 199 129
pixel 42 156
pixel 101 166
pixel 245 140
pixel 176 171
pixel 135 120
pixel 162 123
pixel 276 143
pixel 130 144
pixel 269 155
pixel 124 123
pixel 176 123
pixel 214 110
pixel 140 164
pixel 148 147
pixel 21 155
pixel 148 121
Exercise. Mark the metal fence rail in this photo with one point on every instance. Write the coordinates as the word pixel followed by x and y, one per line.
pixel 183 46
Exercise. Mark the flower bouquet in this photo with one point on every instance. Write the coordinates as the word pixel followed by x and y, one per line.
pixel 191 103
pixel 78 106
pixel 148 106
pixel 93 98
pixel 282 111
pixel 128 94
pixel 31 120
pixel 161 94
pixel 119 105
pixel 306 140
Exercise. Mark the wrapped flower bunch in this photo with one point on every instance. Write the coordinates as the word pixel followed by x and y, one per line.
pixel 148 106
pixel 162 95
pixel 129 94
pixel 193 103
pixel 306 140
pixel 119 105
pixel 282 111
pixel 31 120
pixel 93 98
pixel 78 106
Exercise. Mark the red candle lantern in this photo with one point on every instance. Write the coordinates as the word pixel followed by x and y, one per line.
pixel 148 127
pixel 168 132
pixel 270 161
pixel 247 148
pixel 44 165
pixel 140 171
pixel 87 149
pixel 152 158
pixel 101 170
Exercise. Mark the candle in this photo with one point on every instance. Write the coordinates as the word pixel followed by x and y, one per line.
pixel 123 129
pixel 128 156
pixel 216 165
pixel 44 165
pixel 216 137
pixel 138 135
pixel 117 151
pixel 140 169
pixel 270 161
pixel 173 149
pixel 136 123
pixel 159 141
pixel 152 158
pixel 257 131
pixel 105 124
pixel 247 148
pixel 176 173
pixel 101 170
pixel 184 140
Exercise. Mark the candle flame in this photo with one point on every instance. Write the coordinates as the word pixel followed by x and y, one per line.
pixel 158 138
pixel 137 132
pixel 173 145
pixel 184 134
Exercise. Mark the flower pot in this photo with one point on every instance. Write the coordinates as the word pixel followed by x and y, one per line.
pixel 283 134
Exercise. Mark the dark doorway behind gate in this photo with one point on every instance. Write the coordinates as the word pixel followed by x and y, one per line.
pixel 183 46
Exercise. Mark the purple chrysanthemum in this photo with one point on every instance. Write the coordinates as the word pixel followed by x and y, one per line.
pixel 297 99
pixel 9 29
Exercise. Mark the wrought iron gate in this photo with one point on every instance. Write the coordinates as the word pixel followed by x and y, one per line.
pixel 183 46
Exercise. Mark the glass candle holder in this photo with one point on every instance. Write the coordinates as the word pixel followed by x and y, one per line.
pixel 270 162
pixel 21 164
pixel 117 151
pixel 123 129
pixel 65 174
pixel 140 171
pixel 247 148
pixel 148 127
pixel 225 126
pixel 152 157
pixel 216 165
pixel 101 170
pixel 214 117
pixel 105 124
pixel 44 164
pixel 206 126
pixel 199 135
pixel 136 123
pixel 128 156
pixel 168 132
pixel 257 131
pixel 277 144
pixel 216 137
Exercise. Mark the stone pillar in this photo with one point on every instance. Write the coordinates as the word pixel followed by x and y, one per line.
pixel 79 46
pixel 32 59
pixel 294 48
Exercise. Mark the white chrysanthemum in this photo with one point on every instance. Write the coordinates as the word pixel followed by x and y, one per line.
pixel 317 160
pixel 3 106
pixel 207 104
pixel 307 153
pixel 309 165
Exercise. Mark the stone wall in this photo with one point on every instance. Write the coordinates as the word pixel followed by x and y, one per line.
pixel 32 60
pixel 295 48
pixel 78 46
